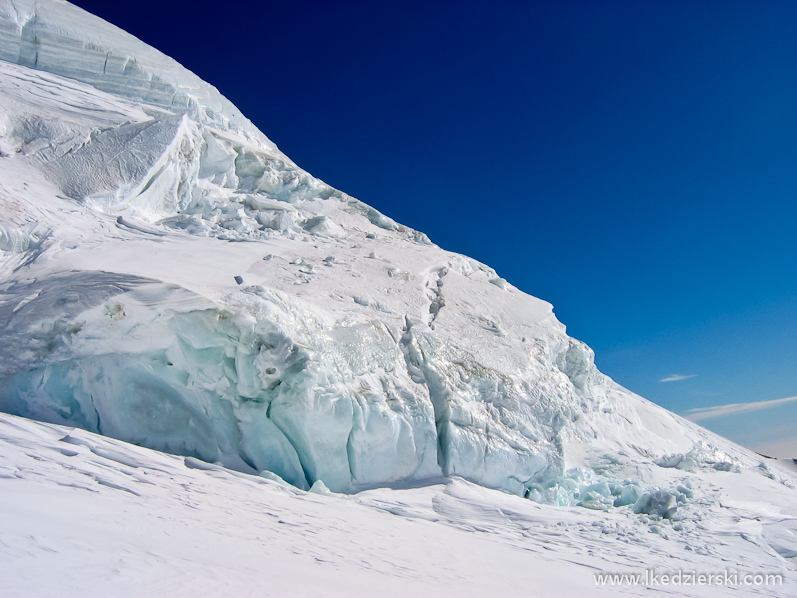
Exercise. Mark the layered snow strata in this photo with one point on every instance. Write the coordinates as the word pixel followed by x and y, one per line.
pixel 60 38
pixel 130 160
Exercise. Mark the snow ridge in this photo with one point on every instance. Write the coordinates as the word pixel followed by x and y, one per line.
pixel 62 39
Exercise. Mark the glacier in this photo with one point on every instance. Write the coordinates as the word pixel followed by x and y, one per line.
pixel 219 375
pixel 169 278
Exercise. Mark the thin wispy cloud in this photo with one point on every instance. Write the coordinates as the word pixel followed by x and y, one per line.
pixel 702 413
pixel 677 378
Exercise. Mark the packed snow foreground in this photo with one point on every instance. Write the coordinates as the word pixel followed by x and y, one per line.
pixel 170 279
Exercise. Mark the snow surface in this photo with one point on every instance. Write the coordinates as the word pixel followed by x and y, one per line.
pixel 86 515
pixel 169 279
pixel 58 37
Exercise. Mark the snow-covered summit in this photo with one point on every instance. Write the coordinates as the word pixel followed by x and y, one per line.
pixel 170 279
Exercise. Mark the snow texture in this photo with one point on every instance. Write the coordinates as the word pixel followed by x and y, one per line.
pixel 87 515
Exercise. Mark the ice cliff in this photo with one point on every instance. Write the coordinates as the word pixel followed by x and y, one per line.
pixel 169 278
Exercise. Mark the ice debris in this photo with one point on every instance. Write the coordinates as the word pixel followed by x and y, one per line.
pixel 659 502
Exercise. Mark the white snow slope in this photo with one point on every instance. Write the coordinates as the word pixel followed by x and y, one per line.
pixel 169 279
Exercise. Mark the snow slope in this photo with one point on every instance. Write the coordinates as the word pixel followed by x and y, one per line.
pixel 57 37
pixel 168 278
pixel 86 515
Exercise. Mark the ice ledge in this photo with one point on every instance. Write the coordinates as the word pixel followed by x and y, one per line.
pixel 57 37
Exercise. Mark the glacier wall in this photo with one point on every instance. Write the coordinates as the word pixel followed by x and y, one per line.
pixel 270 382
pixel 168 278
pixel 266 384
pixel 264 387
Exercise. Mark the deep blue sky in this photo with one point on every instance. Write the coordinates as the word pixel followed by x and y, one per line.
pixel 632 162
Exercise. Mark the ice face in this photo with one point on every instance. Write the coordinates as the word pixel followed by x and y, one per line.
pixel 60 38
pixel 142 169
pixel 170 279
pixel 242 388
